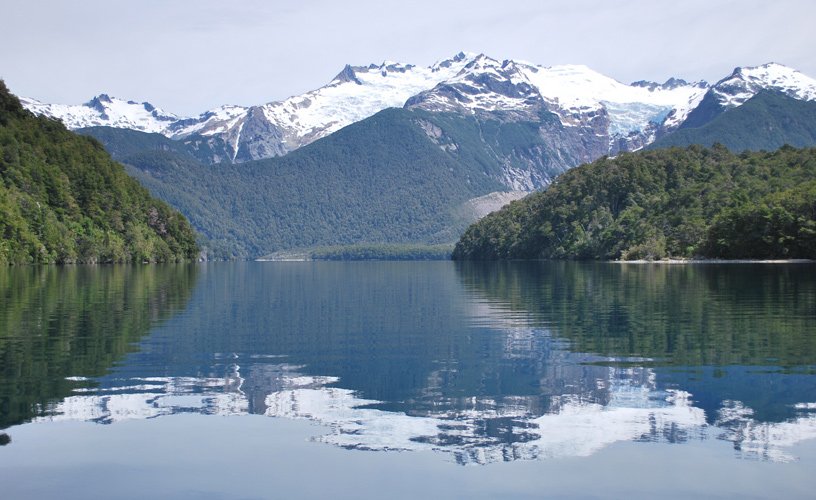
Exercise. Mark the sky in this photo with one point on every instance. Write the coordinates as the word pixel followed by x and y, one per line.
pixel 187 56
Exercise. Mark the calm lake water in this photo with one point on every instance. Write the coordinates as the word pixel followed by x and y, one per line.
pixel 437 379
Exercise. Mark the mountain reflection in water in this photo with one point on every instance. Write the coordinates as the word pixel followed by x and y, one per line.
pixel 483 363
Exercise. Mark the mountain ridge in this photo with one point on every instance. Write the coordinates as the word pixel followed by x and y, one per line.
pixel 493 127
pixel 632 116
pixel 766 121
pixel 381 180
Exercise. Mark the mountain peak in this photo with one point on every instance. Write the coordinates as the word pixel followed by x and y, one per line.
pixel 347 75
pixel 769 66
pixel 447 63
pixel 483 60
pixel 745 82
pixel 394 67
pixel 104 110
pixel 98 102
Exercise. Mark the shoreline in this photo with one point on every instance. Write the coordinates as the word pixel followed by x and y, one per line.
pixel 716 261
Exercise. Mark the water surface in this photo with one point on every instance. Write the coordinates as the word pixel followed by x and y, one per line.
pixel 562 379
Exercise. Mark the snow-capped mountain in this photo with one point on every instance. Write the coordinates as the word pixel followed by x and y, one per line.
pixel 579 96
pixel 595 114
pixel 275 128
pixel 354 94
pixel 744 83
pixel 104 110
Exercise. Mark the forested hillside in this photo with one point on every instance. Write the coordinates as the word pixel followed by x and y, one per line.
pixel 64 200
pixel 382 180
pixel 692 202
pixel 767 121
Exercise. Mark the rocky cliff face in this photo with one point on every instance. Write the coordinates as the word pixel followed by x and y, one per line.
pixel 259 138
pixel 537 131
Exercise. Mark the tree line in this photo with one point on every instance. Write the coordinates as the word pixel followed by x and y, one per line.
pixel 676 202
pixel 64 200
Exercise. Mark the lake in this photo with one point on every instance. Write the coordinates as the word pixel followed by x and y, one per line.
pixel 408 379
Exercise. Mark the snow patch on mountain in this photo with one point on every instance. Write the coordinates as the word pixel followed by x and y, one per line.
pixel 745 83
pixel 577 88
pixel 217 121
pixel 483 85
pixel 611 115
pixel 574 92
pixel 355 94
pixel 104 110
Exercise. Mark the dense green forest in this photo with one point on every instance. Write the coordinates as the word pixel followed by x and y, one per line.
pixel 767 121
pixel 681 203
pixel 379 181
pixel 64 200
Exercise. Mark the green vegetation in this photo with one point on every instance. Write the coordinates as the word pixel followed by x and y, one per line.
pixel 384 252
pixel 766 121
pixel 781 224
pixel 379 181
pixel 692 202
pixel 63 200
pixel 400 177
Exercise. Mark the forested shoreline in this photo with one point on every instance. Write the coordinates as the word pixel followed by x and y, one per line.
pixel 692 202
pixel 64 200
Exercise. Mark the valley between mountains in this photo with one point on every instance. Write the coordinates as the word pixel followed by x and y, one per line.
pixel 394 153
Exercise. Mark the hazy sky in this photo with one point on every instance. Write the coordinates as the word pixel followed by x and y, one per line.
pixel 187 56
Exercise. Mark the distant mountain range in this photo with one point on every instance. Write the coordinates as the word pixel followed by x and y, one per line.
pixel 596 115
pixel 283 174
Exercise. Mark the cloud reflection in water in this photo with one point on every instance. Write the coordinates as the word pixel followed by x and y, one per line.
pixel 474 431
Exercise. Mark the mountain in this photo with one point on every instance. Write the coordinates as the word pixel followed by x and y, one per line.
pixel 381 180
pixel 743 84
pixel 576 94
pixel 578 113
pixel 273 177
pixel 104 110
pixel 237 133
pixel 62 199
pixel 767 120
pixel 664 203
pixel 575 114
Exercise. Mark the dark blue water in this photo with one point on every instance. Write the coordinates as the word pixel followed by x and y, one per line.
pixel 544 378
